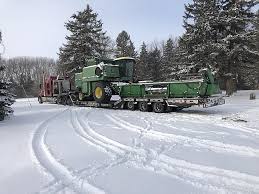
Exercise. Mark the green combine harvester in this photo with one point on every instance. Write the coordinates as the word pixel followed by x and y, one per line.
pixel 101 79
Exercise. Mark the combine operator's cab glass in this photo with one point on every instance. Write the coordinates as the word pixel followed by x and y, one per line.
pixel 126 68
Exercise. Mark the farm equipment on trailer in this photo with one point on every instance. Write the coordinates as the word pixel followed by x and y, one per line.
pixel 102 79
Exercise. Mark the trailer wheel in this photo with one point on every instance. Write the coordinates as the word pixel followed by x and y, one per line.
pixel 40 100
pixel 130 105
pixel 102 92
pixel 159 107
pixel 144 107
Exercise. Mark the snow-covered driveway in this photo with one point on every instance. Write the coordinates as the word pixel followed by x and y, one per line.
pixel 57 149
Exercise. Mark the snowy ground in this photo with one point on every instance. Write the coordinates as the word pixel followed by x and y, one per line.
pixel 56 149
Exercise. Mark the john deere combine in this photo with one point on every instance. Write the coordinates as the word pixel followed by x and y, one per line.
pixel 101 79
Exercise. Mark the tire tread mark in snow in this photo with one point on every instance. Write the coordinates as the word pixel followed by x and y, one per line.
pixel 215 146
pixel 203 177
pixel 59 171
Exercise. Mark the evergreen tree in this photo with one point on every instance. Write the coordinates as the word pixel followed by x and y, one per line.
pixel 154 65
pixel 142 63
pixel 202 34
pixel 169 59
pixel 86 39
pixel 6 98
pixel 239 54
pixel 125 47
pixel 219 33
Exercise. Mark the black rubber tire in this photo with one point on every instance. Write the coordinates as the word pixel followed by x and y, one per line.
pixel 106 92
pixel 40 100
pixel 130 105
pixel 68 101
pixel 60 100
pixel 158 107
pixel 144 107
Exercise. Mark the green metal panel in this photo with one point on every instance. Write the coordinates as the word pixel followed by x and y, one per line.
pixel 86 88
pixel 78 80
pixel 131 90
pixel 109 72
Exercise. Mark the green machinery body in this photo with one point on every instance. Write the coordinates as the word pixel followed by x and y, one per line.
pixel 104 71
pixel 101 79
pixel 203 86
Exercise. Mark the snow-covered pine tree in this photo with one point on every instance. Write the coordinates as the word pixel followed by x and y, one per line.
pixel 141 69
pixel 169 64
pixel 238 42
pixel 257 45
pixel 6 98
pixel 154 64
pixel 86 39
pixel 199 43
pixel 125 47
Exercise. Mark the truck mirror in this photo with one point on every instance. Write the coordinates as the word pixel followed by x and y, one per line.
pixel 40 86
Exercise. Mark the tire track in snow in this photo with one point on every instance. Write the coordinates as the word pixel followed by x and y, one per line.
pixel 218 121
pixel 203 177
pixel 56 169
pixel 215 146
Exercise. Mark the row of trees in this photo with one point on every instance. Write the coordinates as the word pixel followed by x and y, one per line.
pixel 25 74
pixel 222 34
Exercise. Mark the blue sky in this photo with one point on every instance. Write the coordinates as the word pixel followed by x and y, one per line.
pixel 36 27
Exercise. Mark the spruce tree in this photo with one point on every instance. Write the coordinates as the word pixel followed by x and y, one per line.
pixel 202 34
pixel 238 41
pixel 86 39
pixel 142 63
pixel 169 60
pixel 154 65
pixel 6 98
pixel 220 33
pixel 125 47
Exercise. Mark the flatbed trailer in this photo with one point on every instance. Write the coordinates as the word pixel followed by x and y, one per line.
pixel 152 104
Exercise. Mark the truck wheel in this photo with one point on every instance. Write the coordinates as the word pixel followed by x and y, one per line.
pixel 130 105
pixel 40 100
pixel 158 107
pixel 144 107
pixel 102 92
pixel 59 100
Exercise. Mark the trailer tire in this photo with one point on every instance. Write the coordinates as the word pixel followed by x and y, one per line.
pixel 158 107
pixel 40 100
pixel 144 107
pixel 130 105
pixel 102 92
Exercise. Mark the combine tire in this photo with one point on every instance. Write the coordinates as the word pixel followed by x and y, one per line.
pixel 102 92
pixel 40 100
pixel 159 107
pixel 130 105
pixel 144 107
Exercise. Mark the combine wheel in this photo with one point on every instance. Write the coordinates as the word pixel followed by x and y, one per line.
pixel 159 107
pixel 40 100
pixel 144 107
pixel 130 105
pixel 102 92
